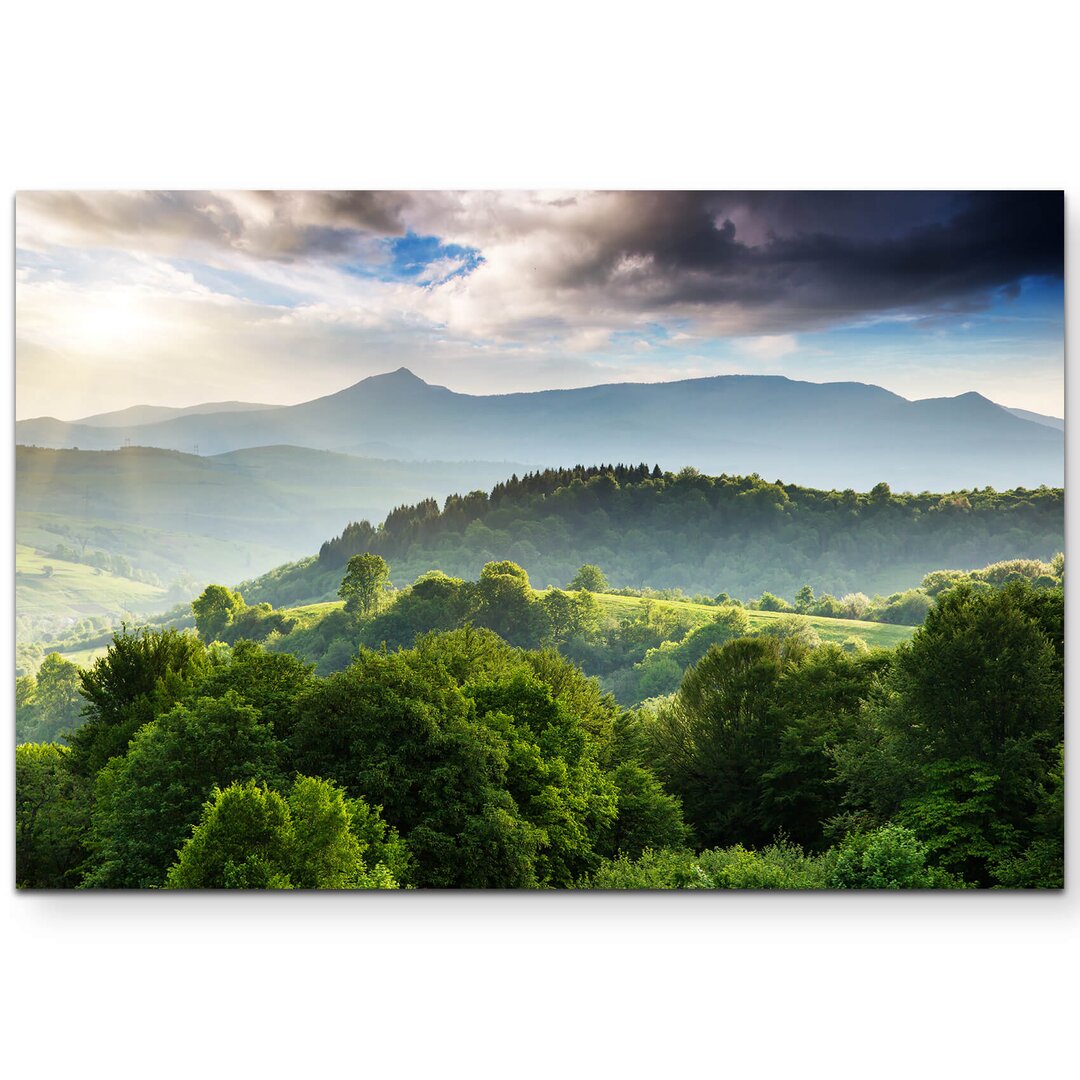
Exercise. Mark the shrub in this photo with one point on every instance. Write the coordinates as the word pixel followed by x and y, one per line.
pixel 891 857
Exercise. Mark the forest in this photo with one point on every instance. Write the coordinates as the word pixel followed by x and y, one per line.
pixel 483 734
pixel 652 529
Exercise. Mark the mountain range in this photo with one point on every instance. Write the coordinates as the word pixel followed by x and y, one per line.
pixel 152 414
pixel 831 435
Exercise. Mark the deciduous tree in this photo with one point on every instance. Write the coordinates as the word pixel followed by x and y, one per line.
pixel 590 577
pixel 147 801
pixel 364 584
pixel 251 837
pixel 215 610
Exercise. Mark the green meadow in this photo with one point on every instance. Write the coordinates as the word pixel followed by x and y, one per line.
pixel 49 586
pixel 835 630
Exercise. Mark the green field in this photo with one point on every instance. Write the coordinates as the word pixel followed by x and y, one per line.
pixel 84 657
pixel 74 591
pixel 837 630
pixel 309 614
pixel 167 553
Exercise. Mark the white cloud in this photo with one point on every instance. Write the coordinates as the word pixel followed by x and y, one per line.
pixel 768 346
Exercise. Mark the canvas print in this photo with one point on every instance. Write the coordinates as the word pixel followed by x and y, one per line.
pixel 539 540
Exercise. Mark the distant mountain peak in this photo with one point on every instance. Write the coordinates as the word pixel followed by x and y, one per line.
pixel 402 380
pixel 400 377
pixel 971 400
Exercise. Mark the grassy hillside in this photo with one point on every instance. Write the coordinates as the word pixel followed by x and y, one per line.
pixel 694 615
pixel 181 521
pixel 84 657
pixel 171 555
pixel 637 647
pixel 55 593
pixel 876 635
pixel 187 520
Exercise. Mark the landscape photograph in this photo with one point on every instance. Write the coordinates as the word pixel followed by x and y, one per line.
pixel 549 540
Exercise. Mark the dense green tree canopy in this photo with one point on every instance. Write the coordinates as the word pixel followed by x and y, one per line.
pixel 49 704
pixel 146 801
pixel 715 739
pixel 741 534
pixel 499 768
pixel 471 758
pixel 967 727
pixel 250 837
pixel 143 673
pixel 51 817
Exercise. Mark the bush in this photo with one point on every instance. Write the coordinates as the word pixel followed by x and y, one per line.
pixel 905 609
pixel 768 602
pixel 891 857
pixel 653 870
pixel 777 866
pixel 792 629
pixel 253 838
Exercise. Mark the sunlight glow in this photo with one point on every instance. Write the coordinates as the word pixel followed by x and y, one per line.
pixel 118 320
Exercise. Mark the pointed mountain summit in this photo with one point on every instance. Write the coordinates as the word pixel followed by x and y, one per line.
pixel 971 400
pixel 401 381
pixel 402 377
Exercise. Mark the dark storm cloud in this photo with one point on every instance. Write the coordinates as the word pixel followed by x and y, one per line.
pixel 990 243
pixel 376 211
pixel 310 224
pixel 805 259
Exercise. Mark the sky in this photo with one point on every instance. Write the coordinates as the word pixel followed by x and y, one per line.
pixel 177 298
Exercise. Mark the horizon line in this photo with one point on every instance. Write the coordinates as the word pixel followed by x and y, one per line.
pixel 513 393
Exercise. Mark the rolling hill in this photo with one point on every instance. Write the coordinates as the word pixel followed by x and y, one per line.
pixel 702 534
pixel 52 593
pixel 835 435
pixel 201 519
pixel 153 414
pixel 613 606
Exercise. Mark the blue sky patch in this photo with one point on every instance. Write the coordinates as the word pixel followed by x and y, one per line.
pixel 409 257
